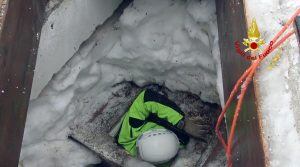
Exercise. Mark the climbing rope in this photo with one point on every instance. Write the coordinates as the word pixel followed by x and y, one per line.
pixel 243 82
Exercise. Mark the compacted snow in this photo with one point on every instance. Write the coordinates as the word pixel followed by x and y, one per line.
pixel 67 26
pixel 170 42
pixel 279 87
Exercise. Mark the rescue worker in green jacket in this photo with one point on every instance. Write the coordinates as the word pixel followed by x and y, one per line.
pixel 154 127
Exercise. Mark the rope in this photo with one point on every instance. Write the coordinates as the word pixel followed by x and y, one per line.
pixel 244 82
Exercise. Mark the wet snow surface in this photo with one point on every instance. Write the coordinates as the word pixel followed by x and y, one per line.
pixel 169 42
pixel 280 87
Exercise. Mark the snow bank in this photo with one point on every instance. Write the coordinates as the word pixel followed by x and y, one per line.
pixel 166 48
pixel 278 104
pixel 66 27
pixel 169 42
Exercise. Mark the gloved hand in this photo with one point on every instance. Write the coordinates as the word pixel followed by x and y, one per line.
pixel 134 162
pixel 196 127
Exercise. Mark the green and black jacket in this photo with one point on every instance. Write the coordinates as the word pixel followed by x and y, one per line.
pixel 149 110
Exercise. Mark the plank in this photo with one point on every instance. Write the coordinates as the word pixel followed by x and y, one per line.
pixel 247 147
pixel 18 49
pixel 297 28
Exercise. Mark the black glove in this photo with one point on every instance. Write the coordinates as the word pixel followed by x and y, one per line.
pixel 197 127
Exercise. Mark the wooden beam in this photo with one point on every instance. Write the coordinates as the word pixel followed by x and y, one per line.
pixel 21 25
pixel 247 145
pixel 297 28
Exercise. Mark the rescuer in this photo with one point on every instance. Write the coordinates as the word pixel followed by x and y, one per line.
pixel 154 128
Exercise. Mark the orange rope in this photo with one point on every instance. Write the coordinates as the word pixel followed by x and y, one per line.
pixel 245 80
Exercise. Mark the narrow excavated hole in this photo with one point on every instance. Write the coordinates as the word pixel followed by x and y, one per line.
pixel 169 46
pixel 95 134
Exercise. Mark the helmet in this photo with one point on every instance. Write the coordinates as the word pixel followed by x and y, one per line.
pixel 157 146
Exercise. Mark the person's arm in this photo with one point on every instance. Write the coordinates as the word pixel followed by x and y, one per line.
pixel 162 107
pixel 168 110
pixel 149 102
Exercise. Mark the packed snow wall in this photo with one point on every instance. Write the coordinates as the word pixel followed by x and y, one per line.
pixel 68 23
pixel 172 43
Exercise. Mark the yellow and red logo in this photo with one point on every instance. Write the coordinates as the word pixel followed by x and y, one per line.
pixel 253 42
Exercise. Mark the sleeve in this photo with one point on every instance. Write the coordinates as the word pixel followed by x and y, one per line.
pixel 161 106
pixel 137 109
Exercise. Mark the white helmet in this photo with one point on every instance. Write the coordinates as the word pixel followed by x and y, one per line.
pixel 157 146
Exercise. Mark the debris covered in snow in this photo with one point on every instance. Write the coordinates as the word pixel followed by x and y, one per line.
pixel 170 42
pixel 91 128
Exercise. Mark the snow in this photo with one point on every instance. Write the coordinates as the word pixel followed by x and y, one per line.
pixel 169 42
pixel 279 86
pixel 64 30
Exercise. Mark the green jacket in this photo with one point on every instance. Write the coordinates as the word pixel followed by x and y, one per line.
pixel 134 124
